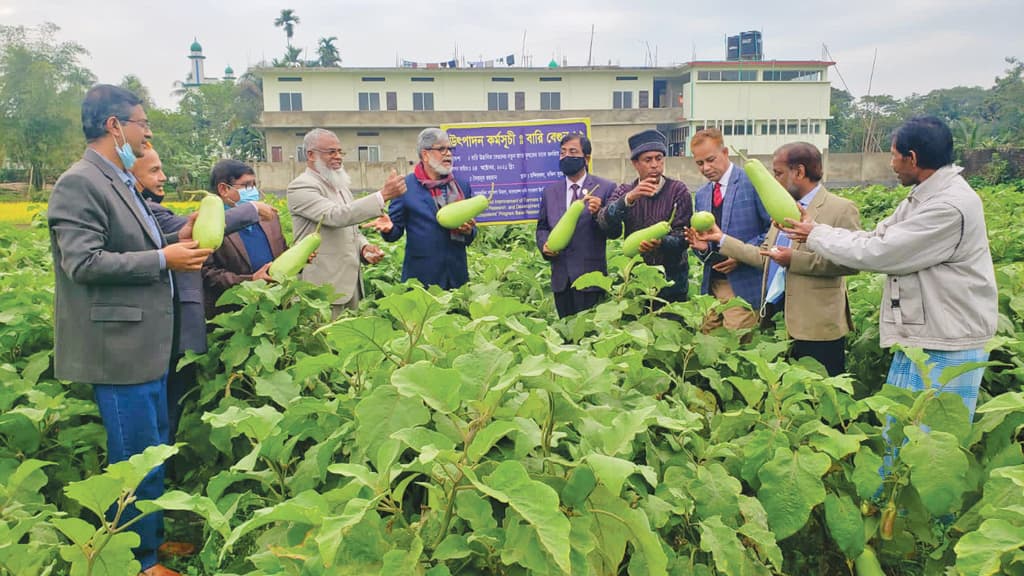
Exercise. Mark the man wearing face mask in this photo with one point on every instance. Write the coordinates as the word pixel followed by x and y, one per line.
pixel 586 251
pixel 434 255
pixel 190 320
pixel 246 254
pixel 649 199
pixel 113 293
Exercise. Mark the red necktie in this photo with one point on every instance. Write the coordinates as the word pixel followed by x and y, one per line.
pixel 575 191
pixel 716 197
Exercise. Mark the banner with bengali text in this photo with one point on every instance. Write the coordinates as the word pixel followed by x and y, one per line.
pixel 518 158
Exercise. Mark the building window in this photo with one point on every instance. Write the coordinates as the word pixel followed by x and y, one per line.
pixel 726 128
pixel 803 126
pixel 300 152
pixel 497 100
pixel 422 79
pixel 741 128
pixel 520 101
pixel 711 75
pixel 625 77
pixel 276 154
pixel 502 79
pixel 422 100
pixel 291 101
pixel 550 78
pixel 622 99
pixel 392 98
pixel 817 127
pixel 369 100
pixel 368 133
pixel 645 99
pixel 289 79
pixel 791 76
pixel 773 127
pixel 550 100
pixel 373 78
pixel 369 153
pixel 791 127
pixel 739 75
pixel 686 78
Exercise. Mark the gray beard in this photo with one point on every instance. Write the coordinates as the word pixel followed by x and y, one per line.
pixel 337 178
pixel 440 168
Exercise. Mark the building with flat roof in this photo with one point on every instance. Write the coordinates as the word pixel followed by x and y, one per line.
pixel 377 112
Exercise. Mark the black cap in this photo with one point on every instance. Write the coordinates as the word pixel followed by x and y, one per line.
pixel 645 142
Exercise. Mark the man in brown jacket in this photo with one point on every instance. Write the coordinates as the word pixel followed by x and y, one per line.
pixel 810 288
pixel 246 254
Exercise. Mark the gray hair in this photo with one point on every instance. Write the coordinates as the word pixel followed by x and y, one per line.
pixel 310 139
pixel 429 137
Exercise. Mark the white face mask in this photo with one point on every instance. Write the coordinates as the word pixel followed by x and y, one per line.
pixel 124 151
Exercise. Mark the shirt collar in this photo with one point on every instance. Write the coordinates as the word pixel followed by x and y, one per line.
pixel 127 177
pixel 569 182
pixel 806 200
pixel 724 180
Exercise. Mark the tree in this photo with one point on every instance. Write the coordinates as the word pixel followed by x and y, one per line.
pixel 287 20
pixel 41 90
pixel 838 126
pixel 328 52
pixel 291 58
pixel 132 83
pixel 1004 105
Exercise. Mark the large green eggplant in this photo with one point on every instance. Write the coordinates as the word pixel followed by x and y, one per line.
pixel 291 262
pixel 779 204
pixel 208 229
pixel 563 231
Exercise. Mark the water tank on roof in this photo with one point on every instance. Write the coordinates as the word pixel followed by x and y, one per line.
pixel 750 45
pixel 732 48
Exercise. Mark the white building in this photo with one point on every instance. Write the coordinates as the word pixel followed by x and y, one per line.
pixel 377 112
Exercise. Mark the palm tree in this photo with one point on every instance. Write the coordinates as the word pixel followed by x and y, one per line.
pixel 291 58
pixel 287 20
pixel 328 52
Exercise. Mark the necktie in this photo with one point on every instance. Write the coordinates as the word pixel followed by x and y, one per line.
pixel 716 197
pixel 575 191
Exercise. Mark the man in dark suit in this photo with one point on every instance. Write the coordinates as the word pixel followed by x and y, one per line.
pixel 190 318
pixel 738 211
pixel 248 253
pixel 433 254
pixel 586 250
pixel 649 199
pixel 113 292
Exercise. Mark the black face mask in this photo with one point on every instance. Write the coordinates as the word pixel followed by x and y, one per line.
pixel 152 197
pixel 571 165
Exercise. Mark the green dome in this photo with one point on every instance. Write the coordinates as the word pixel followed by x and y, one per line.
pixel 195 46
pixel 553 63
pixel 229 71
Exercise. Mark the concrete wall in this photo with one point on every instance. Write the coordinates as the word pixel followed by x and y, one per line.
pixel 841 170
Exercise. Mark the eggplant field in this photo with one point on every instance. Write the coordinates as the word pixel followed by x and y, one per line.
pixel 473 432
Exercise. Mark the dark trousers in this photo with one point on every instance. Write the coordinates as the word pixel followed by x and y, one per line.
pixel 831 353
pixel 178 384
pixel 135 417
pixel 570 301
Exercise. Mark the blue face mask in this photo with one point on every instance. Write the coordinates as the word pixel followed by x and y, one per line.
pixel 248 194
pixel 124 151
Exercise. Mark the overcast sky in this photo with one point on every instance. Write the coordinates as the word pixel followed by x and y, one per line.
pixel 921 44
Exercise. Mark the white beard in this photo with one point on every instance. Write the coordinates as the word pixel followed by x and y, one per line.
pixel 440 168
pixel 337 178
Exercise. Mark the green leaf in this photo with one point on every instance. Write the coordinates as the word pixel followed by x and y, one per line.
pixel 1006 402
pixel 615 521
pixel 383 413
pixel 579 486
pixel 335 528
pixel 845 523
pixel 278 386
pixel 716 493
pixel 927 452
pixel 756 528
pixel 727 550
pixel 77 530
pixel 485 439
pixel 439 387
pixel 612 472
pixel 453 547
pixel 497 306
pixel 866 477
pixel 361 473
pixel 96 493
pixel 201 505
pixel 752 389
pixel 790 487
pixel 255 423
pixel 981 552
pixel 591 279
pixel 26 480
pixel 536 502
pixel 1002 492
pixel 115 559
pixel 835 443
pixel 947 413
pixel 476 510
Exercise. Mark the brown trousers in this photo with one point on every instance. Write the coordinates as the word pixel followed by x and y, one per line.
pixel 733 318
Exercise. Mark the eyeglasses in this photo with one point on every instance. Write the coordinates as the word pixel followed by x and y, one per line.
pixel 330 151
pixel 144 123
pixel 443 149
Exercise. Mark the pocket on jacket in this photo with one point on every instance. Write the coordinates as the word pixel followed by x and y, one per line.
pixel 907 291
pixel 191 295
pixel 115 314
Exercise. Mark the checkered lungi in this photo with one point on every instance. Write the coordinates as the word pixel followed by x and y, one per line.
pixel 903 373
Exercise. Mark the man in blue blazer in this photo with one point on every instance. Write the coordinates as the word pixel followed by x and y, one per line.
pixel 586 250
pixel 433 255
pixel 738 211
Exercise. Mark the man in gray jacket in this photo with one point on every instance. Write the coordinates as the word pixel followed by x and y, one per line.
pixel 940 288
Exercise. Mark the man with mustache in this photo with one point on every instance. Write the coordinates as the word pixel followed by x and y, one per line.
pixel 433 254
pixel 321 194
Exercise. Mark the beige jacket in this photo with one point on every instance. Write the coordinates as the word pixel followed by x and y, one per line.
pixel 940 287
pixel 816 307
pixel 312 199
